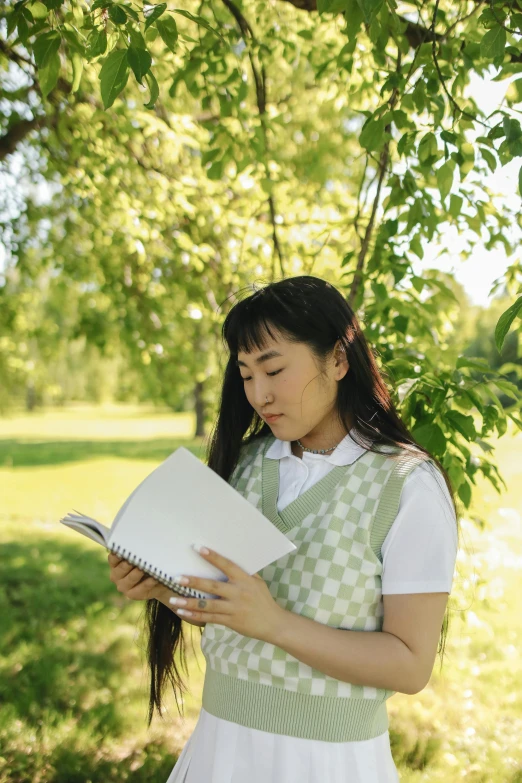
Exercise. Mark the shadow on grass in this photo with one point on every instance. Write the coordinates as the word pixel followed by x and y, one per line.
pixel 73 765
pixel 52 595
pixel 62 661
pixel 69 763
pixel 18 453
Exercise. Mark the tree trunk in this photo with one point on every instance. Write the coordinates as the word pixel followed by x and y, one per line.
pixel 200 410
pixel 30 396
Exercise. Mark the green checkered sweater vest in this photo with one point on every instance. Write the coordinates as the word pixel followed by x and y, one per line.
pixel 333 577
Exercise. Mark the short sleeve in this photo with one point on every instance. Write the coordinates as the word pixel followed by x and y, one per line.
pixel 420 551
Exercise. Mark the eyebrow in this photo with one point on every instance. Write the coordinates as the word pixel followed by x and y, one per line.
pixel 260 359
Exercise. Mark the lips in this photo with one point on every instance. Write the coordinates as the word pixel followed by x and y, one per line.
pixel 273 416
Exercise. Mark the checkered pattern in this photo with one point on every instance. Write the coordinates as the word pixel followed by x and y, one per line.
pixel 333 577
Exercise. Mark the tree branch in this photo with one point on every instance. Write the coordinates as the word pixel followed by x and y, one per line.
pixel 260 85
pixel 17 133
pixel 383 165
pixel 442 80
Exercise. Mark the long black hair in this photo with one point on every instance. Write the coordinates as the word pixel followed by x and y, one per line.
pixel 303 309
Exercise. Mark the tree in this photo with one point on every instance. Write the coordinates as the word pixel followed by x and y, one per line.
pixel 341 139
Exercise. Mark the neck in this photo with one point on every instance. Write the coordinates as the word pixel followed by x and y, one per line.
pixel 322 440
pixel 298 451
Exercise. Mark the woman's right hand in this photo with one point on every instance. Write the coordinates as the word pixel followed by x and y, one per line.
pixel 136 585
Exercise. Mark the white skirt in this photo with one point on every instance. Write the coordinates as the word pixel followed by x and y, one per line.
pixel 219 751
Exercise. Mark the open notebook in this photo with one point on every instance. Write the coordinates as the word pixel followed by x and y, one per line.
pixel 183 502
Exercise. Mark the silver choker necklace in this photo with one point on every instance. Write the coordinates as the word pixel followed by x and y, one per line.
pixel 317 451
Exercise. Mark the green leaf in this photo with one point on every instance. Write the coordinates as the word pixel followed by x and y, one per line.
pixel 464 424
pixel 445 179
pixel 117 14
pixel 514 91
pixel 449 137
pixel 356 17
pixel 168 31
pixel 475 398
pixel 512 128
pixel 97 43
pixel 140 62
pixel 455 205
pixel 22 28
pixel 45 47
pixel 508 388
pixel 12 21
pixel 418 283
pixel 520 181
pixel 155 14
pixel 489 158
pixel 406 142
pixel 464 493
pixel 77 66
pixel 505 321
pixel 431 437
pixel 331 6
pixel 38 10
pixel 474 363
pixel 428 148
pixel 113 76
pixel 215 170
pixel 456 473
pixel 347 258
pixel 136 37
pixel 372 134
pixel 416 246
pixel 493 43
pixel 401 323
pixel 24 10
pixel 209 156
pixel 154 90
pixel 198 19
pixel 131 12
pixel 48 74
pixel 370 9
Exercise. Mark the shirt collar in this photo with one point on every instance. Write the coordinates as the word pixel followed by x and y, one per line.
pixel 344 453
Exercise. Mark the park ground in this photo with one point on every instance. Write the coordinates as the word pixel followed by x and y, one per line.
pixel 73 681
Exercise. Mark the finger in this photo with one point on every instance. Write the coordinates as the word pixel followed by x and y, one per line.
pixel 229 568
pixel 204 617
pixel 119 571
pixel 204 605
pixel 143 589
pixel 214 586
pixel 131 580
pixel 122 569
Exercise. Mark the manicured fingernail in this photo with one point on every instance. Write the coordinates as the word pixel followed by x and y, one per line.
pixel 183 612
pixel 201 549
pixel 178 601
pixel 181 580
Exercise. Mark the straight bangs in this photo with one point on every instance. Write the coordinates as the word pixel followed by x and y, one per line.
pixel 253 322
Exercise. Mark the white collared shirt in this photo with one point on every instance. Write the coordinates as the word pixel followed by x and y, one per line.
pixel 420 550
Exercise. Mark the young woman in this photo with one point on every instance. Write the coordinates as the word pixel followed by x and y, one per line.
pixel 295 687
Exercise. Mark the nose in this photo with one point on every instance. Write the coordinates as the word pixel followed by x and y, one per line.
pixel 259 395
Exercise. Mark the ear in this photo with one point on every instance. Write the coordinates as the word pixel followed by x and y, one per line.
pixel 341 362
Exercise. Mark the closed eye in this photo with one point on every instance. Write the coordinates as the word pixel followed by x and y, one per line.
pixel 268 373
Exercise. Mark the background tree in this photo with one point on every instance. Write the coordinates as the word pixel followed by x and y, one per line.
pixel 192 150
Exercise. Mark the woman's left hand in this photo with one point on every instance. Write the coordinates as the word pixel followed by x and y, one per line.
pixel 245 604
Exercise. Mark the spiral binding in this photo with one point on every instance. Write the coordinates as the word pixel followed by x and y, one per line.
pixel 160 576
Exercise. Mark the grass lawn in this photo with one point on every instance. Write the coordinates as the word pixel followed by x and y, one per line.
pixel 73 684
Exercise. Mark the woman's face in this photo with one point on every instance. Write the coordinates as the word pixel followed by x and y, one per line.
pixel 305 399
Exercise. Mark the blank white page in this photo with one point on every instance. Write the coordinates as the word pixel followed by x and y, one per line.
pixel 183 502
